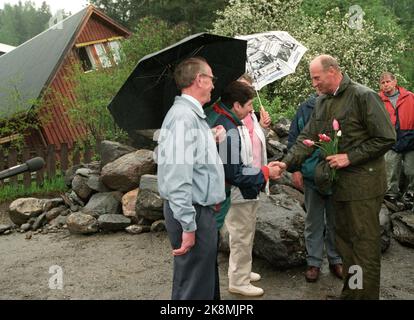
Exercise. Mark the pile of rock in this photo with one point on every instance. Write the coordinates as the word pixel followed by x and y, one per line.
pixel 120 193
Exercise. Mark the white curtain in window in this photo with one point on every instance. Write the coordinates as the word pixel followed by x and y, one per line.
pixel 115 50
pixel 103 56
pixel 90 56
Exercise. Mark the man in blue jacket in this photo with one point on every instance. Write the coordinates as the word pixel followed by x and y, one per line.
pixel 320 214
pixel 191 180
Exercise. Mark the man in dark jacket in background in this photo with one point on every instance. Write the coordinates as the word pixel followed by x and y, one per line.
pixel 367 134
pixel 399 103
pixel 320 213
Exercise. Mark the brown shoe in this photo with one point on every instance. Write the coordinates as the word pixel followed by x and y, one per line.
pixel 312 274
pixel 336 270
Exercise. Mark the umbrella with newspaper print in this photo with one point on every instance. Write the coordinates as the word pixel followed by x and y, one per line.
pixel 271 56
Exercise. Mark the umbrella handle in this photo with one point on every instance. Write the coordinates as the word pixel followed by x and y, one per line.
pixel 260 101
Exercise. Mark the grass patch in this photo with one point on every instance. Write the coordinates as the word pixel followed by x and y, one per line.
pixel 53 186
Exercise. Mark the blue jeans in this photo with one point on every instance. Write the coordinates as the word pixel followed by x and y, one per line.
pixel 319 228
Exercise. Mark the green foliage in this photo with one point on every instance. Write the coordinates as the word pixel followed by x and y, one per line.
pixel 363 54
pixel 22 22
pixel 198 14
pixel 94 90
pixel 15 119
pixel 10 192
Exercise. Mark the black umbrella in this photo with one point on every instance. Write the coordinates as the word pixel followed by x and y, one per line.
pixel 148 93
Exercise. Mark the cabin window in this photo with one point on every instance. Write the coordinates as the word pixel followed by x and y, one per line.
pixel 86 57
pixel 103 55
pixel 115 51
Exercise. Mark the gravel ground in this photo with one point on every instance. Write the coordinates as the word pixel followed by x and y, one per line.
pixel 123 266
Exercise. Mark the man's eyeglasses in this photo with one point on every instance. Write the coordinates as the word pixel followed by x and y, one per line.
pixel 213 78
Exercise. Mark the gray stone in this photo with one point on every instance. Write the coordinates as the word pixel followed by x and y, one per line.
pixel 124 174
pixel 55 212
pixel 49 204
pixel 279 232
pixel 105 203
pixel 149 205
pixel 71 172
pixel 58 222
pixel 289 191
pixel 4 228
pixel 149 182
pixel 25 226
pixel 110 151
pixel 81 223
pixel 158 226
pixel 21 210
pixel 137 229
pixel 95 183
pixel 282 127
pixel 385 228
pixel 81 188
pixel 40 221
pixel 75 199
pixel 275 149
pixel 403 227
pixel 113 222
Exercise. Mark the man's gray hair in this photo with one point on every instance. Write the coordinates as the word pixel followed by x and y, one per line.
pixel 328 61
pixel 187 70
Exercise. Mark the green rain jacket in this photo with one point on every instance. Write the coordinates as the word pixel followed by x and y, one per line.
pixel 367 134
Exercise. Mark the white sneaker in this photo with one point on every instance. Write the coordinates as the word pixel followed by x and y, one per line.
pixel 254 276
pixel 249 290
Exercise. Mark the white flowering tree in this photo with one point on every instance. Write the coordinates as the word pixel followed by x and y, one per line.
pixel 362 53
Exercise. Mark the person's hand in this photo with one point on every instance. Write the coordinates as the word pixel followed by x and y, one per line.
pixel 265 119
pixel 297 180
pixel 188 241
pixel 279 164
pixel 276 169
pixel 338 161
pixel 219 133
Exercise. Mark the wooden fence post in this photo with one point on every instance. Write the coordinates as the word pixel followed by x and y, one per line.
pixel 76 155
pixel 64 159
pixel 51 161
pixel 1 164
pixel 87 155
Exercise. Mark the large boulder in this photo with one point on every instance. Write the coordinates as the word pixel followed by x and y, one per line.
pixel 21 210
pixel 104 203
pixel 110 151
pixel 81 223
pixel 113 222
pixel 403 227
pixel 279 232
pixel 125 173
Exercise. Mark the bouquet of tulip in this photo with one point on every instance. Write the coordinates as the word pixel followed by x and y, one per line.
pixel 327 145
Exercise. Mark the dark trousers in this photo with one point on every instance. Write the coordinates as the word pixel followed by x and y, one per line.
pixel 358 242
pixel 195 273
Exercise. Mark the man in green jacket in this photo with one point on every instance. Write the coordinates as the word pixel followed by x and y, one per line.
pixel 367 134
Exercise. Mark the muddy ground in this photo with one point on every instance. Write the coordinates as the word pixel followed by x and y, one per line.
pixel 123 266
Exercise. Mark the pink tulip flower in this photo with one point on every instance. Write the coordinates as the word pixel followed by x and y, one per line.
pixel 335 125
pixel 308 143
pixel 324 137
